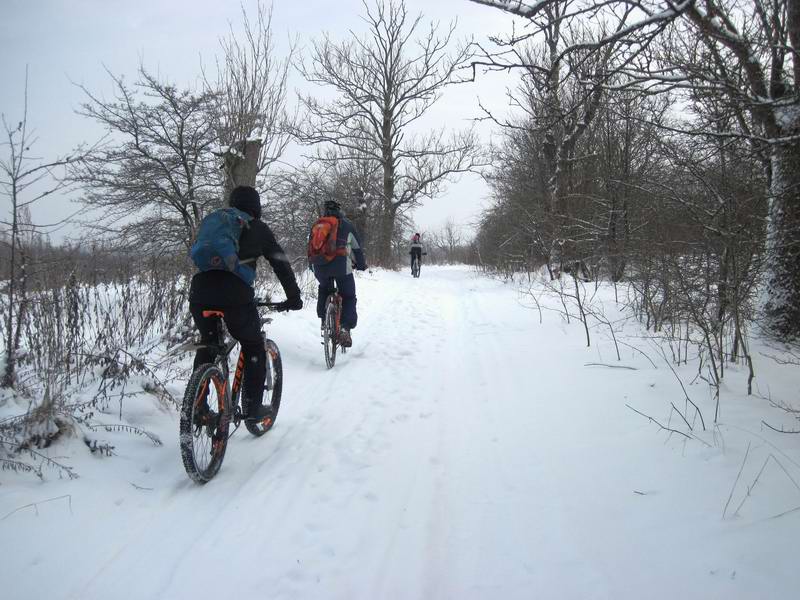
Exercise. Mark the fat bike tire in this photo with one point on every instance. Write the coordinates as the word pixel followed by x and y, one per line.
pixel 203 434
pixel 272 391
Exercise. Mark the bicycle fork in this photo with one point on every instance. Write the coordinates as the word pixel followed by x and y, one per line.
pixel 338 302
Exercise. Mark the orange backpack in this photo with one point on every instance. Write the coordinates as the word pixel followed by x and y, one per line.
pixel 322 242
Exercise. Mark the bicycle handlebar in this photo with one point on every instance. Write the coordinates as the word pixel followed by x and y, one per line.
pixel 270 305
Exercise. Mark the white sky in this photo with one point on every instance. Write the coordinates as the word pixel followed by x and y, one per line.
pixel 67 42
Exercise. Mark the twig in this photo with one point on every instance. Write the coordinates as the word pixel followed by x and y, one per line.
pixel 724 510
pixel 685 394
pixel 751 487
pixel 780 464
pixel 592 364
pixel 536 301
pixel 786 512
pixel 128 429
pixel 766 441
pixel 659 424
pixel 779 430
pixel 139 487
pixel 41 457
pixel 755 481
pixel 675 408
pixel 640 352
pixel 36 504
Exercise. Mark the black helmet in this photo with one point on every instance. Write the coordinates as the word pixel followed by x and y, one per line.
pixel 332 206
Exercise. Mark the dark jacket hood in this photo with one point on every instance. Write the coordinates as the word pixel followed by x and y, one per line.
pixel 247 200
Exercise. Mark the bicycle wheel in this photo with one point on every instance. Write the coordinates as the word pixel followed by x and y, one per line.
pixel 415 268
pixel 329 332
pixel 205 420
pixel 273 386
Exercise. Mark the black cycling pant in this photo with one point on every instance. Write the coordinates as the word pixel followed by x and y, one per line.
pixel 418 253
pixel 244 324
pixel 347 290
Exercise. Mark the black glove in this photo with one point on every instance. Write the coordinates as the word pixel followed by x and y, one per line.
pixel 362 267
pixel 290 304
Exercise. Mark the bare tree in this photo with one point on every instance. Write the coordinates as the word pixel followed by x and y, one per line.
pixel 154 178
pixel 249 96
pixel 24 180
pixel 385 82
pixel 749 57
pixel 297 197
pixel 450 240
pixel 625 141
pixel 560 95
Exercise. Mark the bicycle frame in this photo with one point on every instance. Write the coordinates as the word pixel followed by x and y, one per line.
pixel 337 302
pixel 223 350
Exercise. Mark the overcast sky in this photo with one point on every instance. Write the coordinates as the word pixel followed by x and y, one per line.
pixel 68 42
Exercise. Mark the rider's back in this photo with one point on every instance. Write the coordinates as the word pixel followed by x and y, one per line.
pixel 346 237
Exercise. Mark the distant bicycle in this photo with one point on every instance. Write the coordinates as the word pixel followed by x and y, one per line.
pixel 332 325
pixel 211 403
pixel 415 266
pixel 416 263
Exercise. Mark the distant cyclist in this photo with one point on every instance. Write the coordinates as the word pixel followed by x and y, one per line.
pixel 417 249
pixel 334 248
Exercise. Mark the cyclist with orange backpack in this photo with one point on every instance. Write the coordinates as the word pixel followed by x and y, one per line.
pixel 334 248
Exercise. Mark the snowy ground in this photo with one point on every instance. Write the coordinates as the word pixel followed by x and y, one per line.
pixel 461 450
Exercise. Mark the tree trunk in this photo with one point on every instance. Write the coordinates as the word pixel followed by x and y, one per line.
pixel 383 245
pixel 783 243
pixel 241 165
pixel 384 242
pixel 22 302
pixel 9 370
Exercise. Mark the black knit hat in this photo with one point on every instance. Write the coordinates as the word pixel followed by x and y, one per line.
pixel 246 199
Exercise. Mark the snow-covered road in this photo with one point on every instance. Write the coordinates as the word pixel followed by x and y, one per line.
pixel 460 450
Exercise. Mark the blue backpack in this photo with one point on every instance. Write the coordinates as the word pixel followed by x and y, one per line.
pixel 216 246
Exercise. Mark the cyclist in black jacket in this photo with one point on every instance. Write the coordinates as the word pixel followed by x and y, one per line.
pixel 225 291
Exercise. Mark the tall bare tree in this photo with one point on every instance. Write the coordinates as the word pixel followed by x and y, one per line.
pixel 301 193
pixel 748 53
pixel 250 91
pixel 24 179
pixel 159 172
pixel 153 180
pixel 385 81
pixel 560 94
